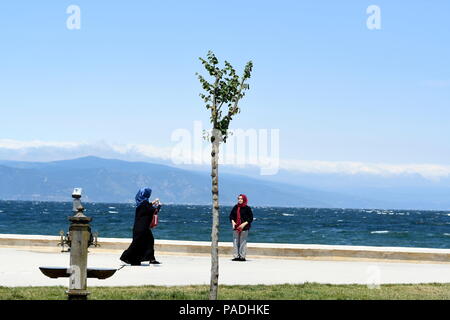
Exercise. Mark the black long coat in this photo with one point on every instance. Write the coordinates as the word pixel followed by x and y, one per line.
pixel 142 247
pixel 246 215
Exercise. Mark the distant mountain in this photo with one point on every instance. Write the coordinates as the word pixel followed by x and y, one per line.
pixel 109 180
pixel 404 191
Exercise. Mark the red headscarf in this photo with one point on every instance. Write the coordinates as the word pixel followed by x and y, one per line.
pixel 239 206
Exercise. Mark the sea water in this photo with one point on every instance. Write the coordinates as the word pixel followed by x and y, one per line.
pixel 366 227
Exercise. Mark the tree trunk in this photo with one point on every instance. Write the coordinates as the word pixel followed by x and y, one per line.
pixel 213 291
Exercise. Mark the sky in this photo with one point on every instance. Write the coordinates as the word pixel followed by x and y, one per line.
pixel 337 91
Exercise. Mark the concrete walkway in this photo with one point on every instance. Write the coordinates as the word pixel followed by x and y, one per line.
pixel 21 268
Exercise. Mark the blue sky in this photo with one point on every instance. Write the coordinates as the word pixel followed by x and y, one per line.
pixel 336 90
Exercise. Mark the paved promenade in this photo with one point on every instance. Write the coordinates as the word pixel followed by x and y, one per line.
pixel 19 267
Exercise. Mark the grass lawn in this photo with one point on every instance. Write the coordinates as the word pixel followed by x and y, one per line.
pixel 305 291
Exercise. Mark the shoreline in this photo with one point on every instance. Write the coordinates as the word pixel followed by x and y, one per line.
pixel 45 243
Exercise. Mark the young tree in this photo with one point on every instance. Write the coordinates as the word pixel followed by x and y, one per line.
pixel 225 90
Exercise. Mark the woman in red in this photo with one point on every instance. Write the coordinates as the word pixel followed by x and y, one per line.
pixel 241 217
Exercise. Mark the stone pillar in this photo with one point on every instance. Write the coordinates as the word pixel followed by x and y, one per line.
pixel 79 233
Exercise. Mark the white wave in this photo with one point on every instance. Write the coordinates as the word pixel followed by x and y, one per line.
pixel 379 232
pixel 447 234
pixel 111 207
pixel 288 214
pixel 1 211
pixel 113 211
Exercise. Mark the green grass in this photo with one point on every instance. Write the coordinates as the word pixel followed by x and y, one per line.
pixel 307 291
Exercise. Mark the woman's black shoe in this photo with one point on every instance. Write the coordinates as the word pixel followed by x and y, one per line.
pixel 242 259
pixel 131 263
pixel 154 262
pixel 236 259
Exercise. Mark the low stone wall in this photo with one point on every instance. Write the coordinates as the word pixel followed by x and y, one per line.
pixel 274 250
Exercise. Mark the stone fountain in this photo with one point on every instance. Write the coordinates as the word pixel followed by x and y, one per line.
pixel 79 239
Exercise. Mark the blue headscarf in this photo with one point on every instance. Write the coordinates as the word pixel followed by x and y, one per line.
pixel 142 195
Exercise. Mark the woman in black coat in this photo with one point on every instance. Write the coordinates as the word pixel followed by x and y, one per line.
pixel 142 247
pixel 241 218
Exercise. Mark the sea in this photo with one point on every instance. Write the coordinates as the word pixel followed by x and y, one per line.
pixel 362 227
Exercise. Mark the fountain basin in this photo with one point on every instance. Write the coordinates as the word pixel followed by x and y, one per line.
pixel 58 272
